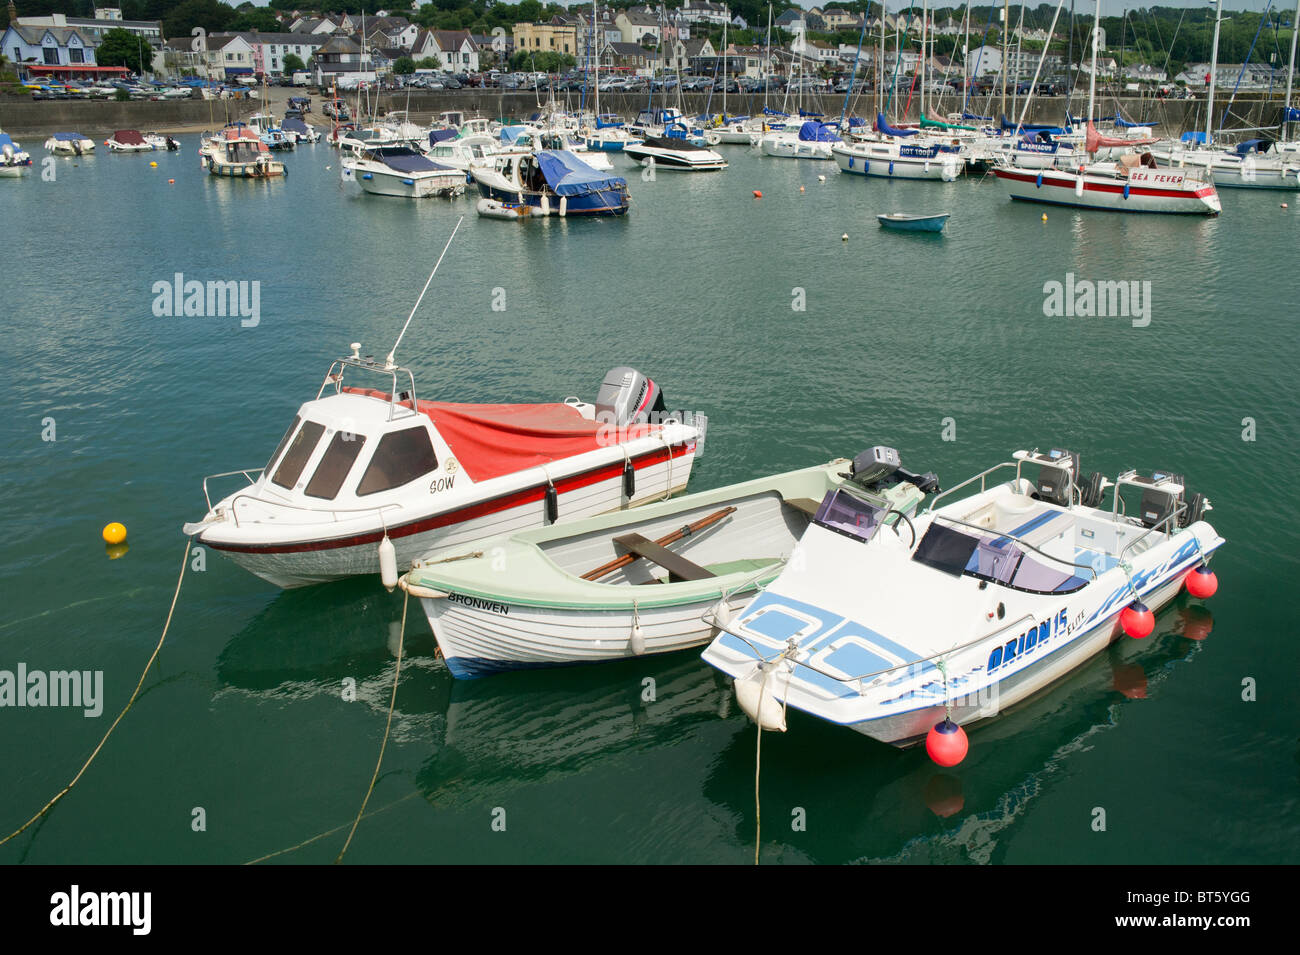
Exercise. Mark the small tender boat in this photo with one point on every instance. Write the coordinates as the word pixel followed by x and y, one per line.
pixel 69 144
pixel 276 137
pixel 628 584
pixel 401 171
pixel 554 182
pixel 130 141
pixel 299 128
pixel 970 607
pixel 237 152
pixel 902 222
pixel 13 161
pixel 495 209
pixel 360 466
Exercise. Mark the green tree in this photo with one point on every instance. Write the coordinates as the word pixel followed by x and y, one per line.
pixel 546 61
pixel 208 14
pixel 119 47
pixel 404 66
pixel 249 17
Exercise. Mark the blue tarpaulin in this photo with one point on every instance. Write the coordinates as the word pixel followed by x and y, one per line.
pixel 1291 114
pixel 567 175
pixel 441 136
pixel 1121 121
pixel 815 132
pixel 69 137
pixel 509 134
pixel 1253 145
pixel 406 159
pixel 1193 137
pixel 294 125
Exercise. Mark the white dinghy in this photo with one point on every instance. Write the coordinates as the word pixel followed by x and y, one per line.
pixel 969 608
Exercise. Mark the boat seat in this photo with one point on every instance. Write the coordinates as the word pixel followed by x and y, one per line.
pixel 679 568
pixel 805 504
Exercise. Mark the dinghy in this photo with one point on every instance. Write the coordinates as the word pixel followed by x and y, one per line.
pixel 970 607
pixel 902 222
pixel 620 585
pixel 13 160
pixel 130 141
pixel 69 144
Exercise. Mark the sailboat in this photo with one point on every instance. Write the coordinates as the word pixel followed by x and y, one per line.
pixel 1132 184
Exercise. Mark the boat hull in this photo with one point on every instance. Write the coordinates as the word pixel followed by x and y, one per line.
pixel 863 163
pixel 1054 187
pixel 403 186
pixel 704 160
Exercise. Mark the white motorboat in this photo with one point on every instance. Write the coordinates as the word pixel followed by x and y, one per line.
pixel 69 144
pixel 900 630
pixel 548 182
pixel 401 171
pixel 625 584
pixel 359 467
pixel 236 152
pixel 132 141
pixel 674 150
pixel 13 160
pixel 812 140
pixel 271 133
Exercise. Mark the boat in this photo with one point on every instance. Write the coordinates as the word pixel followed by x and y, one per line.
pixel 947 618
pixel 902 222
pixel 609 136
pixel 495 209
pixel 555 182
pixel 898 153
pixel 69 144
pixel 674 150
pixel 812 140
pixel 1250 164
pixel 360 466
pixel 401 171
pixel 275 136
pixel 300 129
pixel 131 141
pixel 13 160
pixel 630 583
pixel 237 152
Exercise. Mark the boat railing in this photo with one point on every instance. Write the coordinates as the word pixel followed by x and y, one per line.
pixel 332 512
pixel 246 472
pixel 877 676
pixel 981 477
pixel 395 399
pixel 1176 513
pixel 1003 535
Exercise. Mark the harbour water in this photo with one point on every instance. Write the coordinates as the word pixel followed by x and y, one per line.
pixel 800 346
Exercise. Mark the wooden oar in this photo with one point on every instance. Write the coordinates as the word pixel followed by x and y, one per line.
pixel 673 538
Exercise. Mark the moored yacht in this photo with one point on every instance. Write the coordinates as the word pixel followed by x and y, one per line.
pixel 401 171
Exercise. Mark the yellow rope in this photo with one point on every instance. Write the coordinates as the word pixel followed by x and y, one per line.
pixel 392 703
pixel 330 832
pixel 50 805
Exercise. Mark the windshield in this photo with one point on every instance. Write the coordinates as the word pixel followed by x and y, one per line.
pixel 998 560
pixel 845 514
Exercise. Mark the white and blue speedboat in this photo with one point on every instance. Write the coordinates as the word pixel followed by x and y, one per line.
pixel 890 625
pixel 552 182
pixel 609 136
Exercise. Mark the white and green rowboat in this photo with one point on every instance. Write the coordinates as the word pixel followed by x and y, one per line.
pixel 653 580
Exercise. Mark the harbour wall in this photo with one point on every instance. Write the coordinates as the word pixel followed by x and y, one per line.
pixel 26 117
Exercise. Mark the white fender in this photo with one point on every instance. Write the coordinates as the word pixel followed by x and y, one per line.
pixel 564 206
pixel 1078 185
pixel 387 564
pixel 546 205
pixel 637 641
pixel 759 702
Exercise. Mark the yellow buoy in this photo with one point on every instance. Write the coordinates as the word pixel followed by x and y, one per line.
pixel 801 188
pixel 114 533
pixel 154 164
pixel 1044 216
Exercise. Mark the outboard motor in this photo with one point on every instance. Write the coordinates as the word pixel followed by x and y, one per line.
pixel 627 397
pixel 878 468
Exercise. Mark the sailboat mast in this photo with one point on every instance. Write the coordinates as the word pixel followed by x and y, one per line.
pixel 767 58
pixel 1214 72
pixel 726 12
pixel 595 15
pixel 1290 69
pixel 1092 75
pixel 925 16
pixel 1006 28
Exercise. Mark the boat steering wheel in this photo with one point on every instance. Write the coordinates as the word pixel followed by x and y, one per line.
pixel 903 517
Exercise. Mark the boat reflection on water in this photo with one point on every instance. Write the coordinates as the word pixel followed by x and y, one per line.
pixel 910 810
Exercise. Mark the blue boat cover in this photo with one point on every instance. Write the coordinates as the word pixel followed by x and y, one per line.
pixel 1253 145
pixel 69 137
pixel 405 159
pixel 510 134
pixel 1031 127
pixel 884 127
pixel 1193 137
pixel 773 112
pixel 815 132
pixel 1121 121
pixel 6 141
pixel 1291 114
pixel 294 125
pixel 810 115
pixel 856 121
pixel 966 115
pixel 441 135
pixel 567 175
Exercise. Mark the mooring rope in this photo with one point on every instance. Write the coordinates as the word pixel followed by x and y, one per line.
pixel 135 693
pixel 329 832
pixel 392 703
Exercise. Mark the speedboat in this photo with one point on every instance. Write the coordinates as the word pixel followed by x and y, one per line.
pixel 401 171
pixel 361 471
pixel 69 144
pixel 552 181
pixel 674 150
pixel 131 141
pixel 13 160
pixel 1135 184
pixel 275 136
pixel 627 583
pixel 939 621
pixel 237 152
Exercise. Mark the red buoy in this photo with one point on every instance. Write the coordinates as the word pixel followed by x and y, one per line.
pixel 946 743
pixel 1202 583
pixel 758 194
pixel 1137 620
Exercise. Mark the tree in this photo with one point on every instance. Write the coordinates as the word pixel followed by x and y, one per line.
pixel 118 47
pixel 404 66
pixel 293 64
pixel 208 14
pixel 256 18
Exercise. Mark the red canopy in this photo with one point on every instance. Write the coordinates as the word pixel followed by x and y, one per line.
pixel 490 440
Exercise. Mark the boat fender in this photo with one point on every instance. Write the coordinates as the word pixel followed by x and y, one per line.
pixel 387 564
pixel 891 167
pixel 866 166
pixel 850 162
pixel 629 480
pixel 546 205
pixel 1126 190
pixel 721 614
pixel 564 206
pixel 946 743
pixel 759 702
pixel 1078 185
pixel 367 175
pixel 927 167
pixel 408 182
pixel 552 504
pixel 1038 183
pixel 1137 620
pixel 637 641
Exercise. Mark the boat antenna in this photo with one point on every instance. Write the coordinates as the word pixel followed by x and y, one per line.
pixel 389 364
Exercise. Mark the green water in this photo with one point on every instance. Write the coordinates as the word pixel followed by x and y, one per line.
pixel 243 713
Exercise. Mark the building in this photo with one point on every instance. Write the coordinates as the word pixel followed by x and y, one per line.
pixel 456 50
pixel 49 50
pixel 639 26
pixel 546 38
pixel 630 57
pixel 703 11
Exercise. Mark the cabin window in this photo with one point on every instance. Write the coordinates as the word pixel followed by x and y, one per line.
pixel 300 449
pixel 401 457
pixel 283 441
pixel 335 465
